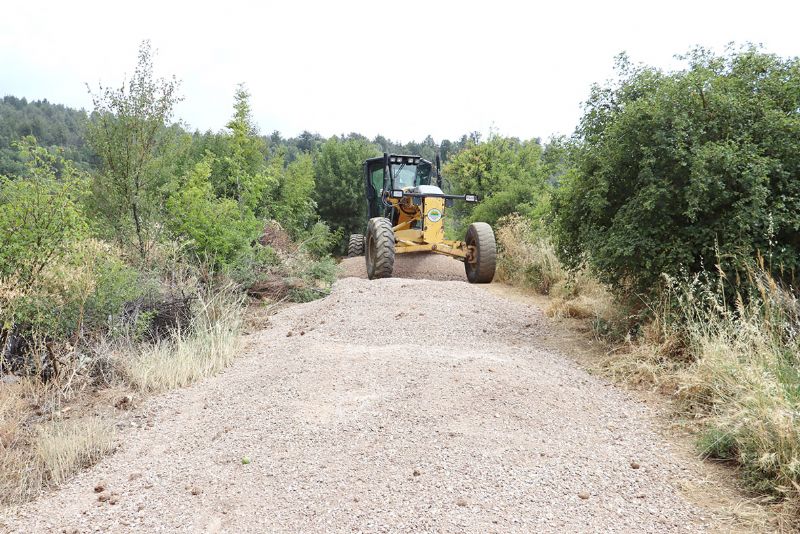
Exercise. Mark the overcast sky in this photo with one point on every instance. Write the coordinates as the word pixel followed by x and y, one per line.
pixel 402 69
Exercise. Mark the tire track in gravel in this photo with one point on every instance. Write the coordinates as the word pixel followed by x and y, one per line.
pixel 395 405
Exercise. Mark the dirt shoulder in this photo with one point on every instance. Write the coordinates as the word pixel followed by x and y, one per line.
pixel 391 405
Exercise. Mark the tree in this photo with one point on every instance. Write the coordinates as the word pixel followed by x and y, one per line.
pixel 293 205
pixel 683 170
pixel 508 175
pixel 339 178
pixel 40 214
pixel 128 132
pixel 244 178
pixel 219 230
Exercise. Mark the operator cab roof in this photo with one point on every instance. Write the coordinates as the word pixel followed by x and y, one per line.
pixel 408 159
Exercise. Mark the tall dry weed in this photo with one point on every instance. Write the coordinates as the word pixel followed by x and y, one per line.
pixel 207 347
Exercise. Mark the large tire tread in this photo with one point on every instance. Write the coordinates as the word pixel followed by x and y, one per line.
pixel 481 236
pixel 379 248
pixel 355 247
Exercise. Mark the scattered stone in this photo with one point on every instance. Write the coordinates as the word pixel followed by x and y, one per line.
pixel 104 496
pixel 114 499
pixel 124 402
pixel 289 333
pixel 416 473
pixel 583 495
pixel 461 501
pixel 100 486
pixel 196 490
pixel 635 465
pixel 133 476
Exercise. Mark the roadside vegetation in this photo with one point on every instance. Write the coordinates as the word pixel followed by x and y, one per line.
pixel 670 224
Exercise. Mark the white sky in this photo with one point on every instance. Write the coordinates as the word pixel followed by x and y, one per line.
pixel 403 69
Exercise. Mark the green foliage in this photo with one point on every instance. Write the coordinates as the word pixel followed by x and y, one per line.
pixel 293 205
pixel 219 230
pixel 77 292
pixel 686 169
pixel 242 174
pixel 339 179
pixel 318 276
pixel 320 240
pixel 53 125
pixel 40 214
pixel 128 132
pixel 509 175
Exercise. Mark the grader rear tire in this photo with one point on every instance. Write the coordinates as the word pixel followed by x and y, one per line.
pixel 481 270
pixel 355 247
pixel 379 249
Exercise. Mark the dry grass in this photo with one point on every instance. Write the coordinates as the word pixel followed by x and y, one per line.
pixel 34 454
pixel 39 447
pixel 526 258
pixel 206 349
pixel 63 447
pixel 734 369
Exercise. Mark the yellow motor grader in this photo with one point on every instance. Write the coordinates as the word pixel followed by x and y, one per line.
pixel 406 214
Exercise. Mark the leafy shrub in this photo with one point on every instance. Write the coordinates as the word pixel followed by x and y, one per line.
pixel 671 165
pixel 509 175
pixel 40 214
pixel 79 292
pixel 218 230
pixel 320 240
pixel 318 276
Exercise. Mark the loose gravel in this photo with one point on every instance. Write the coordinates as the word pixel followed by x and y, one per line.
pixel 395 405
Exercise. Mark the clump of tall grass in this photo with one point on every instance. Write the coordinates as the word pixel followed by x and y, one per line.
pixel 743 373
pixel 527 258
pixel 33 456
pixel 205 348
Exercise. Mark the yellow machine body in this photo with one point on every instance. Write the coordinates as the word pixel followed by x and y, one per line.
pixel 430 237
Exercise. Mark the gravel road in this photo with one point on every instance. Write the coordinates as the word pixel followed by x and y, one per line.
pixel 396 405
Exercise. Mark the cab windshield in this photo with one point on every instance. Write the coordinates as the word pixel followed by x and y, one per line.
pixel 407 176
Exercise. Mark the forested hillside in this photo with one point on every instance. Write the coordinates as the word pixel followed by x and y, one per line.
pixel 53 125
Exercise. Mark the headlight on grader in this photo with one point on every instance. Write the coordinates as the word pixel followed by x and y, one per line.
pixel 397 193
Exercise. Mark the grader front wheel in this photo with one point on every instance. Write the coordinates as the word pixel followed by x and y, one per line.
pixel 379 249
pixel 481 262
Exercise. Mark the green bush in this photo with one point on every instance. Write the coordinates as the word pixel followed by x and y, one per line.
pixel 319 241
pixel 40 214
pixel 509 175
pixel 218 230
pixel 76 293
pixel 672 165
pixel 317 275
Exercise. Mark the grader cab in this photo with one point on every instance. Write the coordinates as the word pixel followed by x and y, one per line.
pixel 406 214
